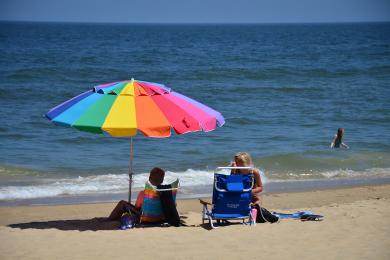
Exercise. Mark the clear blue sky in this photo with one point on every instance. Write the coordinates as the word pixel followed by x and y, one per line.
pixel 195 11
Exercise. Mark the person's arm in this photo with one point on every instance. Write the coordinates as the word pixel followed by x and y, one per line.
pixel 259 185
pixel 334 140
pixel 138 203
pixel 140 200
pixel 344 145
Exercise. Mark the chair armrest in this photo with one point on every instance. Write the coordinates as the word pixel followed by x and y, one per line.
pixel 204 202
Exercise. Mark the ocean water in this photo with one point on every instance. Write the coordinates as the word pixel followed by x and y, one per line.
pixel 283 90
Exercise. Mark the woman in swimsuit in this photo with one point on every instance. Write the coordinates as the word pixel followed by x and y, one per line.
pixel 243 159
pixel 338 140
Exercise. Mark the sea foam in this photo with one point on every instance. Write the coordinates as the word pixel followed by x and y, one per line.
pixel 189 180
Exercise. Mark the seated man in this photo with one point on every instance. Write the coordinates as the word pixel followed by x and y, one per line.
pixel 156 177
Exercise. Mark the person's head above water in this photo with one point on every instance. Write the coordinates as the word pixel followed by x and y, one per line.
pixel 156 176
pixel 340 133
pixel 243 159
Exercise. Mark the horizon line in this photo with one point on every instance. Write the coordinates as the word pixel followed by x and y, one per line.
pixel 194 23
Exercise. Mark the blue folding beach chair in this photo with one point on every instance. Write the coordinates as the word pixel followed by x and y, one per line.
pixel 231 198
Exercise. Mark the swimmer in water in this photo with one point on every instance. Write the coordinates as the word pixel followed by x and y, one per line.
pixel 338 140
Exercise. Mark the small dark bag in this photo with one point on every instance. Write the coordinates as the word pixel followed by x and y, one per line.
pixel 263 215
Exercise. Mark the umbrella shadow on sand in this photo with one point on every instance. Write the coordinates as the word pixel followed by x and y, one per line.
pixel 94 224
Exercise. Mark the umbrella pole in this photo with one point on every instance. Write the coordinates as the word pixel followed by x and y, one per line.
pixel 131 168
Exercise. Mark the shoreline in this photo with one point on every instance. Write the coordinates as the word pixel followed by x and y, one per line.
pixel 355 226
pixel 187 193
pixel 272 201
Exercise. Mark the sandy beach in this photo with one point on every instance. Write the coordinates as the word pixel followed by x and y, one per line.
pixel 356 226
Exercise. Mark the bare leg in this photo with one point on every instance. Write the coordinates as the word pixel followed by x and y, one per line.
pixel 119 209
pixel 257 200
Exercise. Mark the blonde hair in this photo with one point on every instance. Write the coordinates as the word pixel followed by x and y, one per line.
pixel 245 158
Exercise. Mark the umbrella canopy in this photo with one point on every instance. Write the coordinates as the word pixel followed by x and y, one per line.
pixel 123 108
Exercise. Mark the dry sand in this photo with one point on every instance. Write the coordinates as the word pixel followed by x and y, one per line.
pixel 356 226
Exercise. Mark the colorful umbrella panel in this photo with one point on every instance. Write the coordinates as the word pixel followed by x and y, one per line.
pixel 122 108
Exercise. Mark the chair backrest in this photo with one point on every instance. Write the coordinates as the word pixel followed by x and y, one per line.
pixel 232 194
pixel 151 208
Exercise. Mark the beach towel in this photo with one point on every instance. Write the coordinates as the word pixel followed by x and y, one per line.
pixel 152 211
pixel 300 215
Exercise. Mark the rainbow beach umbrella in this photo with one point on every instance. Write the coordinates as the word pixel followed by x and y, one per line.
pixel 123 108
